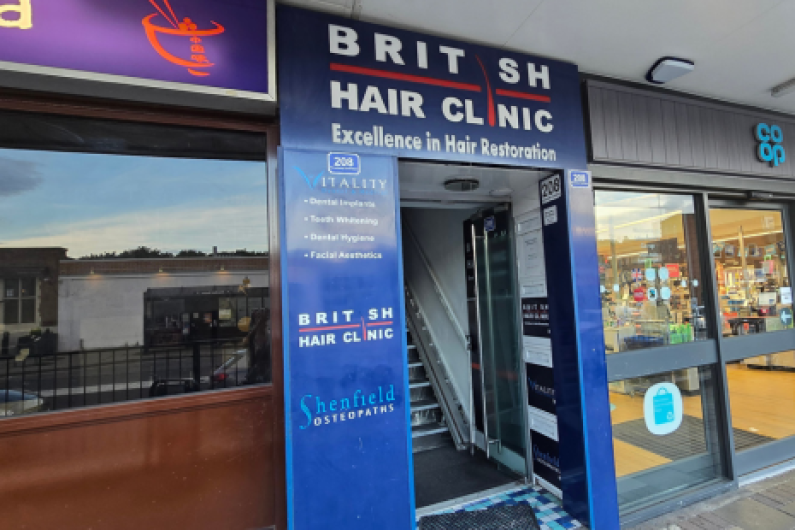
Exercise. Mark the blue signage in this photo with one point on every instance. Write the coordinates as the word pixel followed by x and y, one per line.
pixel 770 138
pixel 344 164
pixel 663 407
pixel 580 179
pixel 786 317
pixel 349 461
pixel 351 86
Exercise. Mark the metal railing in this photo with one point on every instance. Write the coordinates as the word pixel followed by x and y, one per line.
pixel 32 382
pixel 429 354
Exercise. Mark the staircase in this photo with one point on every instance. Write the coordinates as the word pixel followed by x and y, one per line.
pixel 429 428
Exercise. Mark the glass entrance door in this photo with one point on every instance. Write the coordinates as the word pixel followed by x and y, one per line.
pixel 497 404
pixel 755 301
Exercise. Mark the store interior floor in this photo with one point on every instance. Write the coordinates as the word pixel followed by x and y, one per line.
pixel 762 406
pixel 446 474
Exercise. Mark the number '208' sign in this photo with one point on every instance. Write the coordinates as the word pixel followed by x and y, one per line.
pixel 550 189
pixel 344 164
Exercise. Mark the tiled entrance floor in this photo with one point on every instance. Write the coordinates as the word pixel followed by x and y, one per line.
pixel 549 512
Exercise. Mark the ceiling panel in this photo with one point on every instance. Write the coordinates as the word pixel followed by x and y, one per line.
pixel 751 61
pixel 742 48
pixel 485 22
pixel 336 7
pixel 468 20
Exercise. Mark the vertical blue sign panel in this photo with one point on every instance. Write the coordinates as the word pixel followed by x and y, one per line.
pixel 346 382
pixel 583 408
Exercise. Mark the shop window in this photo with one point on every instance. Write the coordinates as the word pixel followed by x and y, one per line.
pixel 665 435
pixel 752 275
pixel 131 276
pixel 649 270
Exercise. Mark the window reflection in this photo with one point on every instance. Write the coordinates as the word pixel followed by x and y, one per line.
pixel 751 271
pixel 127 277
pixel 649 270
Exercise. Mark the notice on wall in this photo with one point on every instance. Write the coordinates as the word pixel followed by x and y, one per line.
pixel 546 462
pixel 786 295
pixel 345 363
pixel 535 317
pixel 541 388
pixel 531 255
pixel 535 326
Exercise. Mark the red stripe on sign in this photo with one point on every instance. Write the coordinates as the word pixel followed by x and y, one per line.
pixel 336 67
pixel 523 95
pixel 328 328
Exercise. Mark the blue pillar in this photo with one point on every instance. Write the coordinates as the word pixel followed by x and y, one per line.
pixel 584 430
pixel 349 451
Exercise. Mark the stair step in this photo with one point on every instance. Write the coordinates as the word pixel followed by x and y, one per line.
pixel 416 364
pixel 419 384
pixel 412 346
pixel 424 404
pixel 428 430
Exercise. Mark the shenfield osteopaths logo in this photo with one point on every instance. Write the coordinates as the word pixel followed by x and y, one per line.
pixel 550 461
pixel 181 42
pixel 359 405
pixel 770 138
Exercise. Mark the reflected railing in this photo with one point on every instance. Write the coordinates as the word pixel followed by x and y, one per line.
pixel 38 381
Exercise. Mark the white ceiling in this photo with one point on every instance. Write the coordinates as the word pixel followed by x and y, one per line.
pixel 423 182
pixel 742 48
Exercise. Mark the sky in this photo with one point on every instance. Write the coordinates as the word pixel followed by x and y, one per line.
pixel 92 204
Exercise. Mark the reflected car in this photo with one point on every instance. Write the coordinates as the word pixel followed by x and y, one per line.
pixel 16 403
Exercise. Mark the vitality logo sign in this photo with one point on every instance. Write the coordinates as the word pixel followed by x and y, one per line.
pixel 194 55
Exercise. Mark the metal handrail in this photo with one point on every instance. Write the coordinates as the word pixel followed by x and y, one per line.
pixel 437 373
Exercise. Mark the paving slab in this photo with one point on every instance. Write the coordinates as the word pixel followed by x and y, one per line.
pixel 764 505
pixel 750 514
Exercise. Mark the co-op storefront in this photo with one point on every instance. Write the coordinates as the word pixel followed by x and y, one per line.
pixel 438 274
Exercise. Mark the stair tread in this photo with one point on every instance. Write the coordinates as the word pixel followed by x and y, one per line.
pixel 424 404
pixel 428 429
pixel 419 384
pixel 415 364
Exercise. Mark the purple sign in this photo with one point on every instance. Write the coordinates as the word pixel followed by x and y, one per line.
pixel 222 44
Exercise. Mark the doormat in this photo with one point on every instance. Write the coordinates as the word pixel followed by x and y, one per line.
pixel 687 441
pixel 548 511
pixel 517 517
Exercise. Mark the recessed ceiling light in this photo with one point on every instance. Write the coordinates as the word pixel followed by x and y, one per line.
pixel 501 192
pixel 783 89
pixel 461 184
pixel 669 68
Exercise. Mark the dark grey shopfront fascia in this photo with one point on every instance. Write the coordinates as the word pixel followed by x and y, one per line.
pixel 657 147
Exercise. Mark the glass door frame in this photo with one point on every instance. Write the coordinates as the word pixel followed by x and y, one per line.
pixel 492 442
pixel 641 363
pixel 737 348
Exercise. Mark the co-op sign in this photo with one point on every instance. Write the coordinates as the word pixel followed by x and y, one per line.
pixel 348 85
